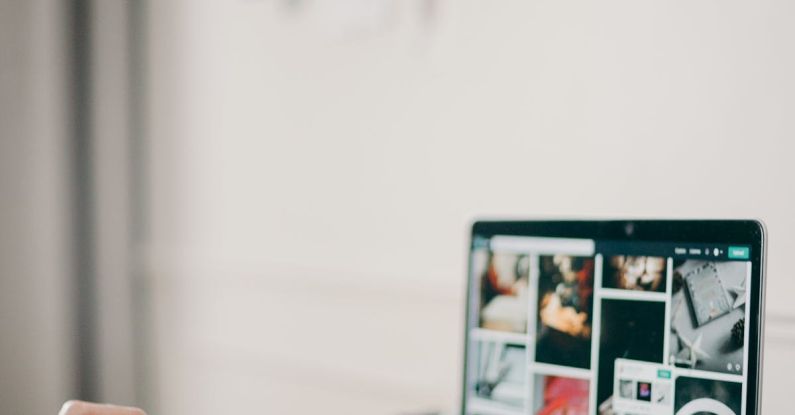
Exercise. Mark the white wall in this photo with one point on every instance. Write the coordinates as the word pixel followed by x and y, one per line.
pixel 314 167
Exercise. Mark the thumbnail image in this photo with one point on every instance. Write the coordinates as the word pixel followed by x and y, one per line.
pixel 503 290
pixel 644 391
pixel 706 396
pixel 640 273
pixel 626 389
pixel 555 395
pixel 640 388
pixel 565 304
pixel 500 373
pixel 629 330
pixel 708 315
pixel 656 392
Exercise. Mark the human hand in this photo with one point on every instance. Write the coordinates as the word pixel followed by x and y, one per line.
pixel 88 408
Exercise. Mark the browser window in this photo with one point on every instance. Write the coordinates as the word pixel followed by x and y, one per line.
pixel 580 326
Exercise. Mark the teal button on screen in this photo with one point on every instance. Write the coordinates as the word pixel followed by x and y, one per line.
pixel 739 252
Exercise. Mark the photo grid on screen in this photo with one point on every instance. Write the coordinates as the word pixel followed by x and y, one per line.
pixel 557 330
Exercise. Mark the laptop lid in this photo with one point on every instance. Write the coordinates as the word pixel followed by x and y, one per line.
pixel 614 317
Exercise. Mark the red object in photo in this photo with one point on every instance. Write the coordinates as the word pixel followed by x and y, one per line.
pixel 564 396
pixel 585 281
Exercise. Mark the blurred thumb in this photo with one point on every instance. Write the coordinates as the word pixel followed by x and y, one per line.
pixel 88 408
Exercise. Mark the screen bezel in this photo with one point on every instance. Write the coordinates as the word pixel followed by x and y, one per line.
pixel 743 232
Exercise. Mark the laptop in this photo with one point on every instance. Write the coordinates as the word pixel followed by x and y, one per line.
pixel 614 317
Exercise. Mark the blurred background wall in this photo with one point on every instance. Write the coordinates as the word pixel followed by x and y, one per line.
pixel 35 231
pixel 282 189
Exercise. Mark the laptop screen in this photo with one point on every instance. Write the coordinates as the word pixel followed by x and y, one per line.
pixel 583 326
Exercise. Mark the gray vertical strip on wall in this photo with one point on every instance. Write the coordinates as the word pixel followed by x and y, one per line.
pixel 82 201
pixel 143 359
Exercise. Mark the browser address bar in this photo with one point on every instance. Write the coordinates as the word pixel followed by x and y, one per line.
pixel 541 245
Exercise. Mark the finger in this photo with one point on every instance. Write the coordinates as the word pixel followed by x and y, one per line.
pixel 87 408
